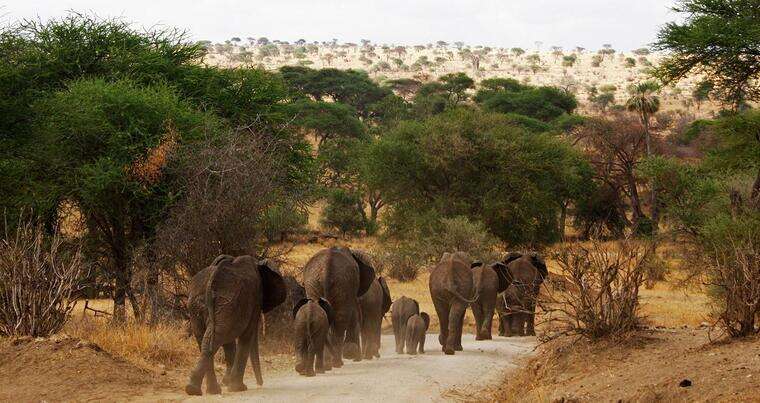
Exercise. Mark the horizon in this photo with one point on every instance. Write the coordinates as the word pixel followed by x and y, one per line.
pixel 484 22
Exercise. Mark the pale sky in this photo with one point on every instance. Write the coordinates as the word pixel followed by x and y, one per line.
pixel 626 24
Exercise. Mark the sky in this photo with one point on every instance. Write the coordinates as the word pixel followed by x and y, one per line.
pixel 625 24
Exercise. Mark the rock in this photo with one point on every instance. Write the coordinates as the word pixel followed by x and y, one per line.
pixel 685 383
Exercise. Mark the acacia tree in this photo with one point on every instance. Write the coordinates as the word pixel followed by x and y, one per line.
pixel 719 39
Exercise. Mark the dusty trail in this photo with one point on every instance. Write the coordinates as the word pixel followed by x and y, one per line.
pixel 394 378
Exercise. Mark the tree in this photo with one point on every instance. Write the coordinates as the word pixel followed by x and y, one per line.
pixel 646 103
pixel 326 120
pixel 702 92
pixel 456 86
pixel 718 39
pixel 466 162
pixel 543 103
pixel 106 145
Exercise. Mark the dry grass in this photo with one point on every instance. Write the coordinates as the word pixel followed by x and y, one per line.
pixel 147 346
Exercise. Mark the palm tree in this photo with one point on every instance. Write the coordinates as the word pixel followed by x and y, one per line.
pixel 646 103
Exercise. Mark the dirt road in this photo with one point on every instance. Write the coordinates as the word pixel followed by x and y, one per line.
pixel 394 378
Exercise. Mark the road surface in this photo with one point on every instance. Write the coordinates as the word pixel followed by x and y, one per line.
pixel 393 378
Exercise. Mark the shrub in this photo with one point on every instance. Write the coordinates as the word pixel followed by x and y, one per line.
pixel 602 293
pixel 39 279
pixel 341 212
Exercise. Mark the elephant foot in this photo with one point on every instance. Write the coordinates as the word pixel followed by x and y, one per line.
pixel 337 363
pixel 213 389
pixel 368 357
pixel 487 337
pixel 320 370
pixel 479 337
pixel 411 352
pixel 357 359
pixel 448 351
pixel 309 373
pixel 377 355
pixel 226 379
pixel 458 348
pixel 422 351
pixel 530 333
pixel 193 390
pixel 237 387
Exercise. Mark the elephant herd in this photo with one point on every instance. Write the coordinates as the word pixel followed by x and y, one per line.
pixel 343 308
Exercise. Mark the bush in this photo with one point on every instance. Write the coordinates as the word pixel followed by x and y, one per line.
pixel 341 212
pixel 602 293
pixel 39 279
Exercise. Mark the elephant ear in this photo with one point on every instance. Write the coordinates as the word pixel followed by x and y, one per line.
pixel 504 275
pixel 328 310
pixel 272 286
pixel 386 295
pixel 476 263
pixel 540 264
pixel 511 256
pixel 298 305
pixel 366 271
pixel 416 305
pixel 426 318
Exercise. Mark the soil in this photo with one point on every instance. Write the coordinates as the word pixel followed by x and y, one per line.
pixel 649 366
pixel 62 368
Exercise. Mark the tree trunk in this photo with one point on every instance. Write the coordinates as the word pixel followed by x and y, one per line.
pixel 635 201
pixel 655 210
pixel 755 195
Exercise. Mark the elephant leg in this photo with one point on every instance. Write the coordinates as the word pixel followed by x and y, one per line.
pixel 229 360
pixel 411 342
pixel 254 354
pixel 459 326
pixel 203 368
pixel 397 335
pixel 502 320
pixel 530 318
pixel 488 310
pixel 518 322
pixel 327 355
pixel 454 328
pixel 422 343
pixel 310 359
pixel 442 310
pixel 338 336
pixel 477 312
pixel 241 358
pixel 301 349
pixel 319 345
pixel 355 336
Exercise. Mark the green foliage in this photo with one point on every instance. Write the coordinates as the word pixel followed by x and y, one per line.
pixel 456 86
pixel 341 214
pixel 569 60
pixel 543 103
pixel 568 122
pixel 470 163
pixel 351 87
pixel 326 119
pixel 720 39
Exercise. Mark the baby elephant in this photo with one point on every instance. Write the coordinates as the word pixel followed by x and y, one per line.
pixel 312 321
pixel 416 327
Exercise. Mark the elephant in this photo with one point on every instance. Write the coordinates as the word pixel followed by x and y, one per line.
pixel 374 304
pixel 416 328
pixel 403 309
pixel 452 290
pixel 311 324
pixel 517 304
pixel 489 281
pixel 226 301
pixel 340 275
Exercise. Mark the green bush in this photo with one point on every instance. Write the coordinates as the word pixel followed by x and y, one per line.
pixel 341 212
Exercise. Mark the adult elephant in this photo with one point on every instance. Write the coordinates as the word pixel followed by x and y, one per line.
pixel 374 304
pixel 339 275
pixel 452 290
pixel 225 304
pixel 517 304
pixel 489 281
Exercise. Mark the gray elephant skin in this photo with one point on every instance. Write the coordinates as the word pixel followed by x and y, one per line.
pixel 489 281
pixel 402 309
pixel 517 304
pixel 452 290
pixel 416 327
pixel 225 303
pixel 374 304
pixel 339 275
pixel 311 324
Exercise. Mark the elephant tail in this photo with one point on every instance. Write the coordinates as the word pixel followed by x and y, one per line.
pixel 463 299
pixel 208 336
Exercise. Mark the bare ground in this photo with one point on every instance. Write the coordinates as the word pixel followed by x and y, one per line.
pixel 660 365
pixel 62 368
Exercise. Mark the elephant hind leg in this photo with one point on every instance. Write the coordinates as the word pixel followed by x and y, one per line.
pixel 229 360
pixel 442 310
pixel 477 312
pixel 458 326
